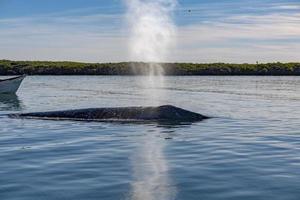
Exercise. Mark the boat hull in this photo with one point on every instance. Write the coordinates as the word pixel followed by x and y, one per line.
pixel 10 86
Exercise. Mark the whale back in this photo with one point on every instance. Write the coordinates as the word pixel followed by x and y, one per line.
pixel 161 113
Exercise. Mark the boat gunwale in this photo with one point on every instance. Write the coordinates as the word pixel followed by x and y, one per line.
pixel 13 78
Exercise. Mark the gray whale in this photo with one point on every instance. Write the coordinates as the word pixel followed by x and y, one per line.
pixel 166 113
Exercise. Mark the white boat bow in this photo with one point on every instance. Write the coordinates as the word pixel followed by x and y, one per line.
pixel 11 85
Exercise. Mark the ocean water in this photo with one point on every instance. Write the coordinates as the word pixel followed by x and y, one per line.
pixel 250 149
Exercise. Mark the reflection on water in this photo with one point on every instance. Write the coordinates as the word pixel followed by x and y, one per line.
pixel 9 102
pixel 150 170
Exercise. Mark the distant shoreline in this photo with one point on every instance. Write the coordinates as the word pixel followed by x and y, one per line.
pixel 8 67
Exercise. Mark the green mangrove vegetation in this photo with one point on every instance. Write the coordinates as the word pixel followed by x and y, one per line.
pixel 8 67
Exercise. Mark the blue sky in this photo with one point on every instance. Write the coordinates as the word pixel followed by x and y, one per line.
pixel 95 30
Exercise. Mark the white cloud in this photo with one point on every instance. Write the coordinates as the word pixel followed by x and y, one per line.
pixel 243 38
pixel 64 38
pixel 103 38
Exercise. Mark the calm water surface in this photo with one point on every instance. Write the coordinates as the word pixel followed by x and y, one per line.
pixel 249 150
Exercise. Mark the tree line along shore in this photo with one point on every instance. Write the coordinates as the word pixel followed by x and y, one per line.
pixel 8 67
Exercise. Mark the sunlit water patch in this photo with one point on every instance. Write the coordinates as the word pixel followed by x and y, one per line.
pixel 151 170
